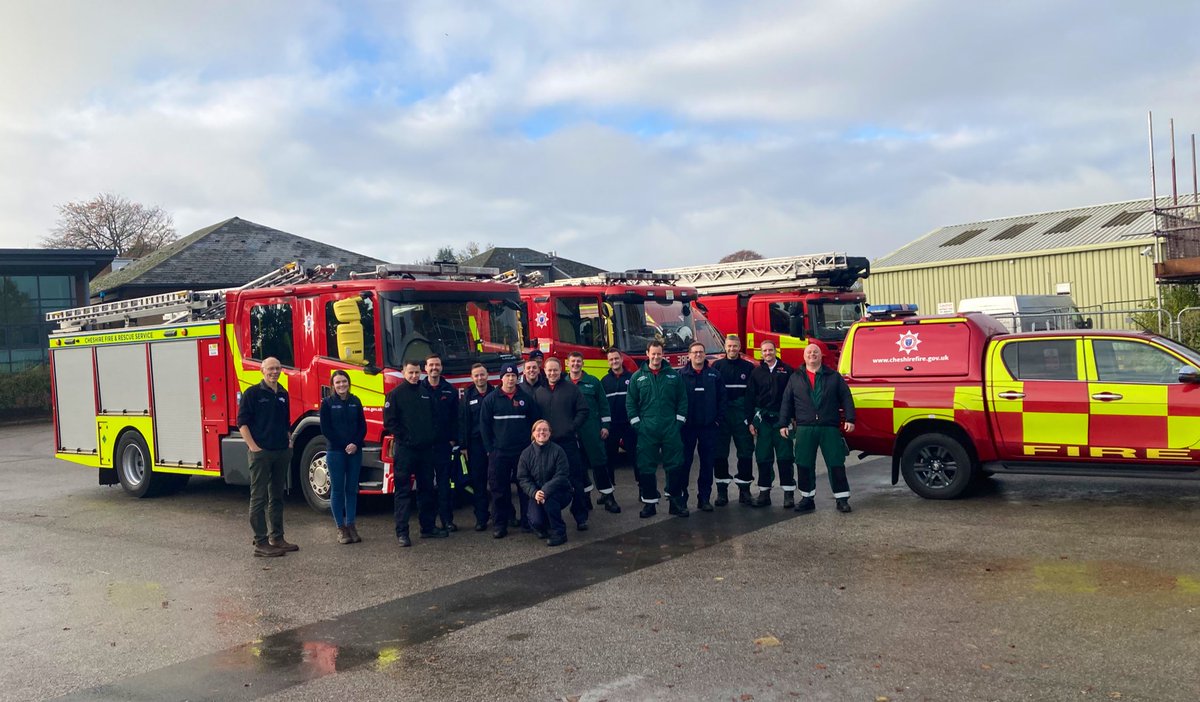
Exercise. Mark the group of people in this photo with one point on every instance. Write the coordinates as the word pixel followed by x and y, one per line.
pixel 556 433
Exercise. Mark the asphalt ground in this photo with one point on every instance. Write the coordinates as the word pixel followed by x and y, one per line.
pixel 1033 588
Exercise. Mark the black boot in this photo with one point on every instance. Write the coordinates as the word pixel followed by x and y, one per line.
pixel 679 506
pixel 789 499
pixel 805 505
pixel 648 510
pixel 609 502
pixel 763 499
pixel 843 504
pixel 744 495
pixel 722 494
pixel 704 505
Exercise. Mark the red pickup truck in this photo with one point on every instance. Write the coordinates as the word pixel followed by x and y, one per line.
pixel 953 398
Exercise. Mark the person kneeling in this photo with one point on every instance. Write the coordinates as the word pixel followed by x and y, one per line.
pixel 544 474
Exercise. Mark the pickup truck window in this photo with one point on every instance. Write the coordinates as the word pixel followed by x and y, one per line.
pixel 1041 359
pixel 1120 361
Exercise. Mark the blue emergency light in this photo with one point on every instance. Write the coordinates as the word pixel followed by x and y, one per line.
pixel 889 311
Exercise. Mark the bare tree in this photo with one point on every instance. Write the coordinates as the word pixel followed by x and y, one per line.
pixel 449 253
pixel 743 255
pixel 110 221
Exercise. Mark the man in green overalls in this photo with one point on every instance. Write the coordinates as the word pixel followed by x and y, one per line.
pixel 657 406
pixel 594 430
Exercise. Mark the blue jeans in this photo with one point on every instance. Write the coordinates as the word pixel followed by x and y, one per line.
pixel 344 470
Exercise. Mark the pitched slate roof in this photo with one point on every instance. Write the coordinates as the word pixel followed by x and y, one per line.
pixel 1114 223
pixel 226 255
pixel 510 258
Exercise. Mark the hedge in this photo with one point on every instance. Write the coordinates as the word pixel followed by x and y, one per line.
pixel 25 393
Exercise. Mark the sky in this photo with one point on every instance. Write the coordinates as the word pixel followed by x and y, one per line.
pixel 621 134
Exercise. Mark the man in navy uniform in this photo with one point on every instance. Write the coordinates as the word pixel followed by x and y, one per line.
pixel 445 423
pixel 705 411
pixel 735 372
pixel 470 442
pixel 506 418
pixel 408 417
pixel 620 431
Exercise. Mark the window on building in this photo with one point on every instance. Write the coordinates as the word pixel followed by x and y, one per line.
pixel 24 302
pixel 1014 231
pixel 964 237
pixel 1067 225
pixel 271 333
pixel 1123 219
pixel 1041 359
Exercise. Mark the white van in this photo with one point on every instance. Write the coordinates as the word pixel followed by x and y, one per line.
pixel 1029 312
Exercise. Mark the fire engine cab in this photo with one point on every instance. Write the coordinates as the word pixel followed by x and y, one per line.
pixel 627 310
pixel 792 301
pixel 154 402
pixel 952 398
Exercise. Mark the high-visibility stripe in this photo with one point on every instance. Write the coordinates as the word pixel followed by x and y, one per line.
pixel 614 394
pixel 839 495
pixel 789 488
pixel 650 502
pixel 808 494
pixel 634 420
pixel 509 416
pixel 606 419
pixel 731 385
pixel 681 418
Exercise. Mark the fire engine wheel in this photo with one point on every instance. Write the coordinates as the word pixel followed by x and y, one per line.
pixel 314 474
pixel 937 467
pixel 133 465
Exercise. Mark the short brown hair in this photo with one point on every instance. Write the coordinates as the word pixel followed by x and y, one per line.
pixel 652 344
pixel 575 354
pixel 477 365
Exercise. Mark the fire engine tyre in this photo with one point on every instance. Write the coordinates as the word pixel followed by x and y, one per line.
pixel 134 468
pixel 314 474
pixel 937 467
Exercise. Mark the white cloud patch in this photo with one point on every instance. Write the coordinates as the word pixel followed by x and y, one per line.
pixel 623 134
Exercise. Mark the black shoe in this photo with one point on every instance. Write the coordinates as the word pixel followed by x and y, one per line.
pixel 611 506
pixel 542 534
pixel 763 499
pixel 403 540
pixel 789 499
pixel 525 528
pixel 648 510
pixel 805 505
pixel 514 522
pixel 556 540
pixel 843 504
pixel 450 528
pixel 435 533
pixel 481 526
pixel 582 526
pixel 744 495
pixel 722 495
pixel 704 506
pixel 500 533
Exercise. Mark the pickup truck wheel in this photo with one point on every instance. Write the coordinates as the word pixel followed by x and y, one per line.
pixel 937 467
pixel 314 474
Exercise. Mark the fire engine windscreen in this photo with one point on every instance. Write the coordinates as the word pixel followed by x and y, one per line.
pixel 462 332
pixel 671 322
pixel 832 320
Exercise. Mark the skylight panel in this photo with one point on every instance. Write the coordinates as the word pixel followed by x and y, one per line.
pixel 1013 231
pixel 964 237
pixel 1067 225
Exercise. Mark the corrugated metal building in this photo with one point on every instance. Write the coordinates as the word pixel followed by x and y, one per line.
pixel 1102 255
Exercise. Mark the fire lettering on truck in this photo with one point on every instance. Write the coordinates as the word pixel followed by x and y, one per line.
pixel 1107 452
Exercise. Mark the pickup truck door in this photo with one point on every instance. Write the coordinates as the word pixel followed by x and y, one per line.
pixel 1038 395
pixel 1137 403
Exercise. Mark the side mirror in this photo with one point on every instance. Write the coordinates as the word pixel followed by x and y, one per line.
pixel 1087 323
pixel 1189 374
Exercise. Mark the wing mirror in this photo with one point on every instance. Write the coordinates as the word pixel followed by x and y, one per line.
pixel 1189 374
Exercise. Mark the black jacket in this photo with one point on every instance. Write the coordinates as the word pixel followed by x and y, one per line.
pixel 506 422
pixel 764 390
pixel 342 422
pixel 735 375
pixel 706 396
pixel 268 415
pixel 468 414
pixel 445 409
pixel 408 415
pixel 564 407
pixel 819 406
pixel 616 387
pixel 543 468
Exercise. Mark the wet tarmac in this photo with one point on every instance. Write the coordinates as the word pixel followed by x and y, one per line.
pixel 1034 588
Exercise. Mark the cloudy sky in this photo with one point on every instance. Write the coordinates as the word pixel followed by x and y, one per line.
pixel 624 134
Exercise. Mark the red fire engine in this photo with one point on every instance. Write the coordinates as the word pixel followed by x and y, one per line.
pixel 793 301
pixel 151 406
pixel 626 310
